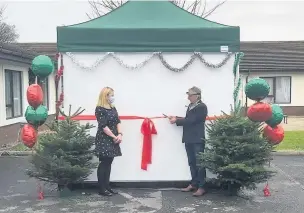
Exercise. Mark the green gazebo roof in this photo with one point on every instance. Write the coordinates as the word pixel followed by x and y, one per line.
pixel 148 26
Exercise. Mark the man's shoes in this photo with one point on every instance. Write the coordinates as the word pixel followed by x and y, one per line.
pixel 112 191
pixel 105 193
pixel 199 192
pixel 190 188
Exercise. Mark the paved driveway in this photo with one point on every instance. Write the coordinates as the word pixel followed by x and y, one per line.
pixel 18 194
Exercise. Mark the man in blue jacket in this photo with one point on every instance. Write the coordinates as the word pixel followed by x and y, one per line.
pixel 194 138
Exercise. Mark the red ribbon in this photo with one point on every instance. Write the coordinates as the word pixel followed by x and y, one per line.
pixel 147 129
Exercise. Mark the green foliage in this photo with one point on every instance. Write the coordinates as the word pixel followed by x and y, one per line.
pixel 63 154
pixel 237 152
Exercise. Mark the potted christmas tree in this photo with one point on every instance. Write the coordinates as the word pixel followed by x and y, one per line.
pixel 237 152
pixel 64 154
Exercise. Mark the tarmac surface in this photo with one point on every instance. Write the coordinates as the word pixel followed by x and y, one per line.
pixel 18 194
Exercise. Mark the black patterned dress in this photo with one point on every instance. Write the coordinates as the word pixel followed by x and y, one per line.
pixel 104 144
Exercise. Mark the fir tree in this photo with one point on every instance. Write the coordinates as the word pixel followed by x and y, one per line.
pixel 63 155
pixel 237 152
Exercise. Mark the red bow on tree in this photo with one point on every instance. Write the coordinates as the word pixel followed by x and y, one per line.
pixel 266 191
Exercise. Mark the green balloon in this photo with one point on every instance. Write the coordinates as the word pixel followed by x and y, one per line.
pixel 36 117
pixel 277 116
pixel 42 66
pixel 257 89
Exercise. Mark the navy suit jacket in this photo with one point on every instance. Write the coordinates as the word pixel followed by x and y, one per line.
pixel 194 124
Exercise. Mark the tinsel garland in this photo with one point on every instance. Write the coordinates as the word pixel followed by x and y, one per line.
pixel 237 81
pixel 58 79
pixel 158 54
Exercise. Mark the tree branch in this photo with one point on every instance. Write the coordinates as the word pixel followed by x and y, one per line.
pixel 102 7
pixel 213 9
pixel 8 32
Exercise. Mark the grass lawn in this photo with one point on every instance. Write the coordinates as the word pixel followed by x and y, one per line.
pixel 293 140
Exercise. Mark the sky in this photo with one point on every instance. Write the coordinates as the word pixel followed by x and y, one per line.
pixel 259 20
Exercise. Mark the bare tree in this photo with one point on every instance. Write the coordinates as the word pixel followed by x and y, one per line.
pixel 196 7
pixel 8 32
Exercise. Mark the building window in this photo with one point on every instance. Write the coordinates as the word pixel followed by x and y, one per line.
pixel 45 88
pixel 280 89
pixel 13 94
pixel 44 84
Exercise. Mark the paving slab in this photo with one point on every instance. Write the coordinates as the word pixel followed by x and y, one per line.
pixel 18 194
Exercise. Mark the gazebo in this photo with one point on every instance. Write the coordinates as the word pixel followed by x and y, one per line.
pixel 150 53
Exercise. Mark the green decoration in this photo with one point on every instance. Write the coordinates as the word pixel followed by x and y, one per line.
pixel 277 116
pixel 257 89
pixel 236 92
pixel 42 66
pixel 36 117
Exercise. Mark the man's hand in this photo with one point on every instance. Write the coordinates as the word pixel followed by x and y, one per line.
pixel 172 119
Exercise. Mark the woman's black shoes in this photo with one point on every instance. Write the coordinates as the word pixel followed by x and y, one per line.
pixel 112 191
pixel 105 193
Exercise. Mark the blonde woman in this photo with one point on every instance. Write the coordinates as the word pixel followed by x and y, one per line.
pixel 108 138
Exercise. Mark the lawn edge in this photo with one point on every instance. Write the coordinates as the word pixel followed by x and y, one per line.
pixel 288 153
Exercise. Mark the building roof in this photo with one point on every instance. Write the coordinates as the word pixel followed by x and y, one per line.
pixel 259 56
pixel 16 53
pixel 148 26
pixel 272 56
pixel 49 49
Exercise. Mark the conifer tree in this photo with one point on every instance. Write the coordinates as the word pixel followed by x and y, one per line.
pixel 64 154
pixel 237 152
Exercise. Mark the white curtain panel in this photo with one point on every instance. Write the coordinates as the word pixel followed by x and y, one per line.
pixel 17 93
pixel 283 89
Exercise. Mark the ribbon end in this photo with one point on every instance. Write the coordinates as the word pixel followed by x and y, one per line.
pixel 144 166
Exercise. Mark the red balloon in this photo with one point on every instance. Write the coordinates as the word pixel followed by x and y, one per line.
pixel 259 112
pixel 28 135
pixel 34 95
pixel 274 135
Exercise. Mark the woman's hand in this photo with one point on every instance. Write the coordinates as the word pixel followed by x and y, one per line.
pixel 115 139
pixel 119 138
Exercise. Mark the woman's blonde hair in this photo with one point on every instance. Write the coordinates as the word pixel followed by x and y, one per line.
pixel 103 97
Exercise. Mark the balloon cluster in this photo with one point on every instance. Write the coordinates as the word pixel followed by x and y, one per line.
pixel 257 89
pixel 36 113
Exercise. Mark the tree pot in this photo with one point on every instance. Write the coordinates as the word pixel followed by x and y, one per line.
pixel 65 190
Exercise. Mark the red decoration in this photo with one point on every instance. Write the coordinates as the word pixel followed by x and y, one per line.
pixel 28 135
pixel 57 56
pixel 61 98
pixel 274 135
pixel 59 72
pixel 34 95
pixel 266 191
pixel 147 129
pixel 40 192
pixel 259 112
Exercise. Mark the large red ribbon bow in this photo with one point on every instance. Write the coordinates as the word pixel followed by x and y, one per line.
pixel 147 129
